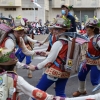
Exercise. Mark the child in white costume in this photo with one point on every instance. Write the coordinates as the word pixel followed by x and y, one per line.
pixel 10 40
pixel 7 64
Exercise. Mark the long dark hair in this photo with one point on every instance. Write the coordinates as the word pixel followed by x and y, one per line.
pixel 7 67
pixel 96 30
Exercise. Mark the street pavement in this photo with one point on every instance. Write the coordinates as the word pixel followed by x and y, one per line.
pixel 71 85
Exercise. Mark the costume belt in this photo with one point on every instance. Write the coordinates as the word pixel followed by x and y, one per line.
pixel 92 62
pixel 57 73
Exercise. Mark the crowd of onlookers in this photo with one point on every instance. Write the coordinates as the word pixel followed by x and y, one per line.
pixel 35 28
pixel 80 26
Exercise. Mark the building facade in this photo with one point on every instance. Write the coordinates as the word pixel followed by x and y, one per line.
pixel 49 10
pixel 81 8
pixel 25 8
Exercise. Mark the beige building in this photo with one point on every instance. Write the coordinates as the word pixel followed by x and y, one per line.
pixel 25 8
pixel 80 8
pixel 50 8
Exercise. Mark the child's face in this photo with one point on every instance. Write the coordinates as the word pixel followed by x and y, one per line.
pixel 89 31
pixel 19 33
pixel 58 31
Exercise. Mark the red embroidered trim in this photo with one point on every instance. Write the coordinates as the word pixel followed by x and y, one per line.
pixel 3 43
pixel 49 64
pixel 39 95
pixel 92 62
pixel 57 73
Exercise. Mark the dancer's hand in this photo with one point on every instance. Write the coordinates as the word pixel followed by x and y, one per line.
pixel 25 67
pixel 22 65
pixel 43 54
pixel 32 67
pixel 40 43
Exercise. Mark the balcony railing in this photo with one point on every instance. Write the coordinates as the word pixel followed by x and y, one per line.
pixel 77 3
pixel 86 3
pixel 10 3
pixel 58 3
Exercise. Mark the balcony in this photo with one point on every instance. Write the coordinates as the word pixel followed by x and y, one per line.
pixel 10 3
pixel 46 3
pixel 86 3
pixel 58 3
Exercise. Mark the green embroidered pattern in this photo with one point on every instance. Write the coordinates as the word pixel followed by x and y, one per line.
pixel 7 57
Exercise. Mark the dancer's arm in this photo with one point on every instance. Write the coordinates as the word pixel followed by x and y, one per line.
pixel 26 88
pixel 45 40
pixel 52 55
pixel 24 48
pixel 31 40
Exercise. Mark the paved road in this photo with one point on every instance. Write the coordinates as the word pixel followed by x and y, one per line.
pixel 72 82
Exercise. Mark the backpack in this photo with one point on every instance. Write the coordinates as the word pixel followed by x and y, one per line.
pixel 79 53
pixel 8 86
pixel 95 39
pixel 4 30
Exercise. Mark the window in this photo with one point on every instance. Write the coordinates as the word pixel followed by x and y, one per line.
pixel 10 9
pixel 14 8
pixel 36 8
pixel 29 8
pixel 23 8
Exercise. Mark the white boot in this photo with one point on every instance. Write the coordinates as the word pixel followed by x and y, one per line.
pixel 82 86
pixel 81 89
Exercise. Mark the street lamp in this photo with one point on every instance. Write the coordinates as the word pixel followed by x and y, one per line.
pixel 1 15
pixel 35 4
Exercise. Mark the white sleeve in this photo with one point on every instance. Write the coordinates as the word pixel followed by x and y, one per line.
pixel 9 44
pixel 26 88
pixel 89 97
pixel 24 48
pixel 46 39
pixel 52 55
pixel 98 43
pixel 31 40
